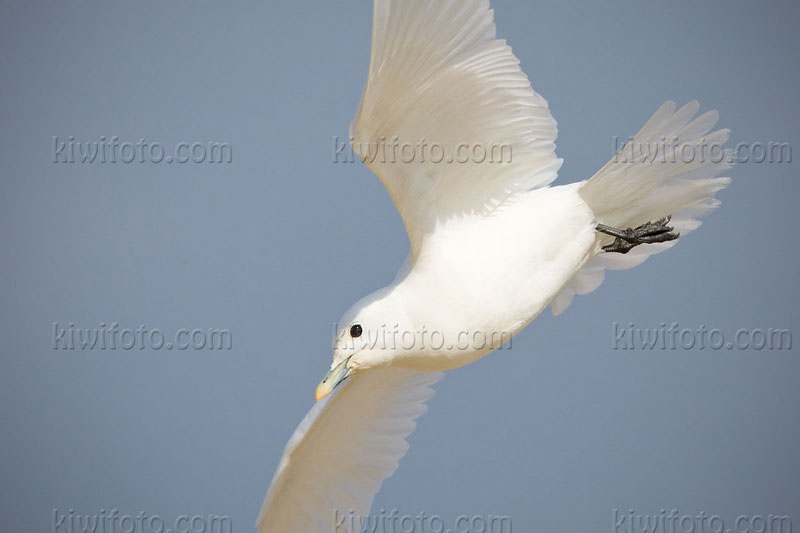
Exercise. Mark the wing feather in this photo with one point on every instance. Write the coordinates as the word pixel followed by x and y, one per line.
pixel 344 448
pixel 438 77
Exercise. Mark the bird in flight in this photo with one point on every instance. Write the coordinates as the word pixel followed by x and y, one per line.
pixel 492 244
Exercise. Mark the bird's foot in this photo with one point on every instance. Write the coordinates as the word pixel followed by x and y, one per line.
pixel 628 239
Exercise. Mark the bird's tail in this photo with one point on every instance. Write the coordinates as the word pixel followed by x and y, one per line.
pixel 670 167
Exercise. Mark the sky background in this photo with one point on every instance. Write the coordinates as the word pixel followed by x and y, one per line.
pixel 555 433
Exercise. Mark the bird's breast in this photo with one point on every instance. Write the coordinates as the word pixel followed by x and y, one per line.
pixel 479 280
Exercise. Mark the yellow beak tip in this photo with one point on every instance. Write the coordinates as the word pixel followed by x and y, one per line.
pixel 334 376
pixel 321 392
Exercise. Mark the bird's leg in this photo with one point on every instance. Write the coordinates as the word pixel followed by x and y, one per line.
pixel 628 239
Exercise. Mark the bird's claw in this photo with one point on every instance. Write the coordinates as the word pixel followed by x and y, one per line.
pixel 649 233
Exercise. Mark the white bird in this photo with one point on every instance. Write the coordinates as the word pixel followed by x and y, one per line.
pixel 492 244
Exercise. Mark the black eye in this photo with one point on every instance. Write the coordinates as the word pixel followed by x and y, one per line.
pixel 355 330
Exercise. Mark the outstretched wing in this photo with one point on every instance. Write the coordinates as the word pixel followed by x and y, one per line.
pixel 343 449
pixel 448 120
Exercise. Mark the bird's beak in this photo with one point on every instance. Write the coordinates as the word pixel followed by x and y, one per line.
pixel 335 376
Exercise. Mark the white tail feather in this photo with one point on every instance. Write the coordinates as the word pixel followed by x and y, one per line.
pixel 670 167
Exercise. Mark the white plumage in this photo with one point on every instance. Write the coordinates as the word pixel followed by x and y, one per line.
pixel 492 244
pixel 438 73
pixel 344 448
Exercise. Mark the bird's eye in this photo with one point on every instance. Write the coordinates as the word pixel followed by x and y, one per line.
pixel 355 330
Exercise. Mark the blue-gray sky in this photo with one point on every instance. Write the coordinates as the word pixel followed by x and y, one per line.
pixel 555 433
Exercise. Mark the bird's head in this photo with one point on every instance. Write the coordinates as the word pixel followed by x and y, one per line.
pixel 366 336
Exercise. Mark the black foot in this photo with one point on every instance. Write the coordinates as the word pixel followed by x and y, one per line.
pixel 628 239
